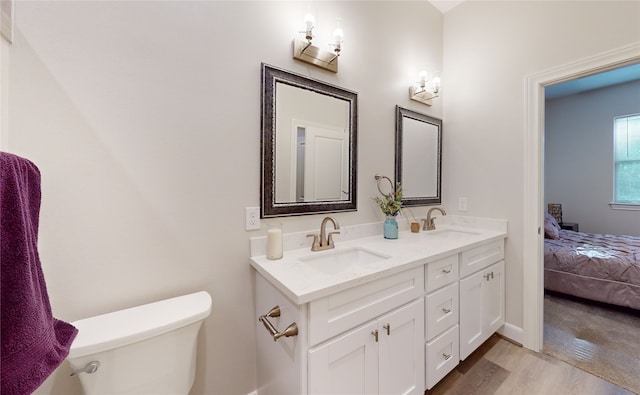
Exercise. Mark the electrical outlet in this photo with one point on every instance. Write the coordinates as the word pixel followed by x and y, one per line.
pixel 252 218
pixel 462 204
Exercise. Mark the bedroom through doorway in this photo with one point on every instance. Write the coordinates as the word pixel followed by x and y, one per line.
pixel 600 338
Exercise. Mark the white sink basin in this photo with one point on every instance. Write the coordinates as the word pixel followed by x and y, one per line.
pixel 451 233
pixel 336 261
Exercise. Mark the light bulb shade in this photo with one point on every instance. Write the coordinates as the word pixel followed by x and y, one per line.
pixel 422 78
pixel 435 82
pixel 309 21
pixel 338 35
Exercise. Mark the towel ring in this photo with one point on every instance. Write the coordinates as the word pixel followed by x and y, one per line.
pixel 379 177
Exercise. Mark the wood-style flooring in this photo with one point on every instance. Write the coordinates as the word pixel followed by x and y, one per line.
pixel 598 338
pixel 501 367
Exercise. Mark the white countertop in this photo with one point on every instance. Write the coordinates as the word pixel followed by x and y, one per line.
pixel 303 283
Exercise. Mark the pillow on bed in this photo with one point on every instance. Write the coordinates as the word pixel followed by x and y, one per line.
pixel 551 227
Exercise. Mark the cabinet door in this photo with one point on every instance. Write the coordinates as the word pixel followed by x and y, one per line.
pixel 401 354
pixel 347 364
pixel 471 304
pixel 494 300
pixel 481 307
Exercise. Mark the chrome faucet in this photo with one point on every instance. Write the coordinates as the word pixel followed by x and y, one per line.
pixel 428 222
pixel 324 243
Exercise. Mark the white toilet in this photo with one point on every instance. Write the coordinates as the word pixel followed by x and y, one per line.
pixel 149 349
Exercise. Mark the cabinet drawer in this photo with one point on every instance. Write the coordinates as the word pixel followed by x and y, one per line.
pixel 480 257
pixel 441 309
pixel 441 272
pixel 344 310
pixel 442 356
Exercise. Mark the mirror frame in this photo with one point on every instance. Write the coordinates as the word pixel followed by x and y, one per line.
pixel 401 114
pixel 269 207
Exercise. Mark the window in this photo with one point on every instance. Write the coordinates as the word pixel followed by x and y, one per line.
pixel 626 148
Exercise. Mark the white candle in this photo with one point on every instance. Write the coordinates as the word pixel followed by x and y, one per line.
pixel 274 243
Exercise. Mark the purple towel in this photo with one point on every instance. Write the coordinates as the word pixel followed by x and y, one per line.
pixel 33 342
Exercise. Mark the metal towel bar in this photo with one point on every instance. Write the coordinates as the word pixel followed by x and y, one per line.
pixel 291 330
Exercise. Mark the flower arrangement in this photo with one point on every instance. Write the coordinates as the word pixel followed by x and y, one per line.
pixel 391 203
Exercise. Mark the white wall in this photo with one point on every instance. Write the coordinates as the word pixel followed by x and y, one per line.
pixel 490 47
pixel 579 157
pixel 144 118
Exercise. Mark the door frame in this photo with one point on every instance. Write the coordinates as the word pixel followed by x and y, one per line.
pixel 533 267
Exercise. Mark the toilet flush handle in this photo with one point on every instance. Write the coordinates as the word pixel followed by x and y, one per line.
pixel 91 367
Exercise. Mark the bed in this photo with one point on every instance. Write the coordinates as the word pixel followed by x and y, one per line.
pixel 600 267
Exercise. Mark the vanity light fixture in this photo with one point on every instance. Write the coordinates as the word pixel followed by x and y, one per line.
pixel 304 50
pixel 425 89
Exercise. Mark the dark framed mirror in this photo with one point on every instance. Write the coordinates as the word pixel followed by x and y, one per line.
pixel 418 157
pixel 308 146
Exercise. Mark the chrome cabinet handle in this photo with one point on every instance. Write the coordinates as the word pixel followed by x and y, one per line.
pixel 446 356
pixel 445 310
pixel 388 328
pixel 291 330
pixel 375 335
pixel 446 271
pixel 488 276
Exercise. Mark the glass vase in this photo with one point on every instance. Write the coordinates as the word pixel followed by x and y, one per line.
pixel 390 229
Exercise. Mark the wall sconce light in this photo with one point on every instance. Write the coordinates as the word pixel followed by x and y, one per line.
pixel 425 89
pixel 304 50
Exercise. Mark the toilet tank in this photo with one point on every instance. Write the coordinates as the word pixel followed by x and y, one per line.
pixel 148 349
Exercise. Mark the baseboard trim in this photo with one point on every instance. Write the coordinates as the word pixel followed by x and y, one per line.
pixel 512 332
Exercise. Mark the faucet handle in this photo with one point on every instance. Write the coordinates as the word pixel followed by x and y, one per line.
pixel 330 238
pixel 315 244
pixel 428 224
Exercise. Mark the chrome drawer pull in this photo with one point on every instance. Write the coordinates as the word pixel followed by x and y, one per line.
pixel 445 310
pixel 446 271
pixel 446 356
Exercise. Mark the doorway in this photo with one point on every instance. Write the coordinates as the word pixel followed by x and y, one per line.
pixel 533 286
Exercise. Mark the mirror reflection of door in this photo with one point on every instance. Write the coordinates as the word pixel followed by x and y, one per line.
pixel 311 169
pixel 312 146
pixel 321 163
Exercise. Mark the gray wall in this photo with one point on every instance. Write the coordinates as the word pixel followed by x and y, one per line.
pixel 579 157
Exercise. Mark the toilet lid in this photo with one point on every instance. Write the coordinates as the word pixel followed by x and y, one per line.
pixel 122 327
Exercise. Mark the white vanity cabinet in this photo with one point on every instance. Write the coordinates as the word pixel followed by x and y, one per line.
pixel 382 356
pixel 364 340
pixel 398 325
pixel 441 315
pixel 482 296
pixel 464 305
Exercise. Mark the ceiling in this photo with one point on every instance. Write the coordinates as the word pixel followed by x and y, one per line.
pixel 445 5
pixel 596 81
